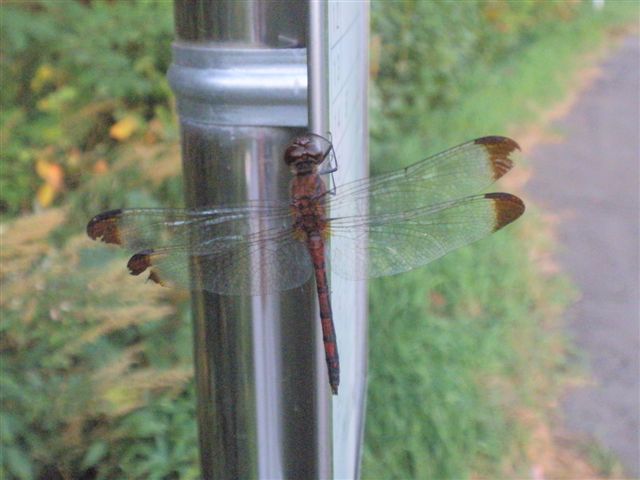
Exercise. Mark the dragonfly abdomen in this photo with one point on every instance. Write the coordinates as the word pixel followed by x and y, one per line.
pixel 316 250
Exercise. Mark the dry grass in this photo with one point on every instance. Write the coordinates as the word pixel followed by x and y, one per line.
pixel 53 301
pixel 23 241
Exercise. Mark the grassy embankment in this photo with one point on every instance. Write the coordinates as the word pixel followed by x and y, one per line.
pixel 467 354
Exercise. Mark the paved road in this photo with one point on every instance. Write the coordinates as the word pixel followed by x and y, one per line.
pixel 593 178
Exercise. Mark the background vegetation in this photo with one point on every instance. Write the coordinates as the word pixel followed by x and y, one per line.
pixel 95 381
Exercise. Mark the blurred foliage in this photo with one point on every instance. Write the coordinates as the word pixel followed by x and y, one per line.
pixel 476 356
pixel 429 56
pixel 70 72
pixel 78 368
pixel 96 378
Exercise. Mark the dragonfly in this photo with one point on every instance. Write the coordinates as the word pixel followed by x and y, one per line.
pixel 390 223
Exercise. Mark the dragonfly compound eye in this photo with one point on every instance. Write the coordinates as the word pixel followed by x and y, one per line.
pixel 309 148
pixel 315 152
pixel 293 153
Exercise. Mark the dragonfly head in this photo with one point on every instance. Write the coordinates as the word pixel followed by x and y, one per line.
pixel 305 153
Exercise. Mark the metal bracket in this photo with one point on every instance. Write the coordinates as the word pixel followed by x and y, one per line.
pixel 252 87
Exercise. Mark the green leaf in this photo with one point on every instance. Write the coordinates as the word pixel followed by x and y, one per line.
pixel 18 463
pixel 96 452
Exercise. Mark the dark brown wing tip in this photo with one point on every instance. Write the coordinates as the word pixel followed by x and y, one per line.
pixel 139 262
pixel 104 226
pixel 507 208
pixel 497 140
pixel 499 149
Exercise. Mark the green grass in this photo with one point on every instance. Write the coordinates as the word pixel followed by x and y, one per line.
pixel 453 349
pixel 459 347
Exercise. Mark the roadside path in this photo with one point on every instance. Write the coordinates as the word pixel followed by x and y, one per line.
pixel 592 180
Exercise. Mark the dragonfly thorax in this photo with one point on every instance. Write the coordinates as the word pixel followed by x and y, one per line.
pixel 308 205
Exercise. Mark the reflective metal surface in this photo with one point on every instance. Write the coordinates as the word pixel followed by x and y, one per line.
pixel 318 72
pixel 260 413
pixel 267 23
pixel 240 86
pixel 319 124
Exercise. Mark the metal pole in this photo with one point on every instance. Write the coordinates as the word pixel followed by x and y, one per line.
pixel 240 78
pixel 318 74
pixel 318 100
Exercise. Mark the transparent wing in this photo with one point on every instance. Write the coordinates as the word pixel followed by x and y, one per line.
pixel 269 262
pixel 244 249
pixel 395 242
pixel 146 228
pixel 455 173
